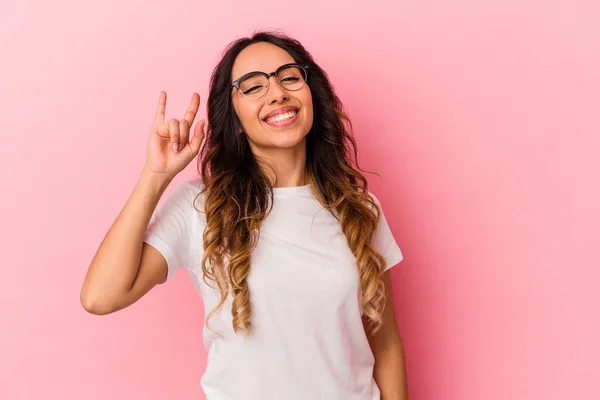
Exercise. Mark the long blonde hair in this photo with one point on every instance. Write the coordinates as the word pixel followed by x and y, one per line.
pixel 238 194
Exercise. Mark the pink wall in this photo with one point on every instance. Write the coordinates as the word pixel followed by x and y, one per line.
pixel 481 117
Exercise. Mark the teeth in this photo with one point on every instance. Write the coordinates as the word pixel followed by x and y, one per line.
pixel 282 117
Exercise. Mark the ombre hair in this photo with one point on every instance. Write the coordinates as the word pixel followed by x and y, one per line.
pixel 238 194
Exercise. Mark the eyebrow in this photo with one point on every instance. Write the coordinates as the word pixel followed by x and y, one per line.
pixel 254 71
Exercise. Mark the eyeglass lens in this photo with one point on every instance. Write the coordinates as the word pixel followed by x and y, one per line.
pixel 255 86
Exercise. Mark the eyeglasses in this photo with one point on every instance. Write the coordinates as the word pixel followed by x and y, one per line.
pixel 255 85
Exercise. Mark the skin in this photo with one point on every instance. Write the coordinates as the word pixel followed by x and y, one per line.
pixel 390 369
pixel 284 149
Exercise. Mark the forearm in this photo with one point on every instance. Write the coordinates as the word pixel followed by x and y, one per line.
pixel 116 263
pixel 390 373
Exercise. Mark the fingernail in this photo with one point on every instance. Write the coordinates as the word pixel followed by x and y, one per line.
pixel 176 147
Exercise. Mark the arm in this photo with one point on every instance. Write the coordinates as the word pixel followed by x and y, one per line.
pixel 124 267
pixel 390 370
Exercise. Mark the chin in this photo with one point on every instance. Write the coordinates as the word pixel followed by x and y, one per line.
pixel 286 143
pixel 284 139
pixel 268 138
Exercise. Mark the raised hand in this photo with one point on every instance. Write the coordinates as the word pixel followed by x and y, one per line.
pixel 170 149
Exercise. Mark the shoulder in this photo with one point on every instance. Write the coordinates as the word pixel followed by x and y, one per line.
pixel 187 192
pixel 376 203
pixel 374 197
pixel 191 185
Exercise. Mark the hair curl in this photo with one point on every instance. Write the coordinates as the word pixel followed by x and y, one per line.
pixel 239 195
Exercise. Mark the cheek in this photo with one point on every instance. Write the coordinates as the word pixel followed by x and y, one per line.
pixel 247 112
pixel 308 105
pixel 307 97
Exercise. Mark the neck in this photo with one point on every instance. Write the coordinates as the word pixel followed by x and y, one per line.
pixel 284 167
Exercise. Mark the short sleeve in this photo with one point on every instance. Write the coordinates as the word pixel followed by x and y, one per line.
pixel 384 242
pixel 172 227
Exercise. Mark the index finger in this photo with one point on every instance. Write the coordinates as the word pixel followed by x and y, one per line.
pixel 160 110
pixel 192 110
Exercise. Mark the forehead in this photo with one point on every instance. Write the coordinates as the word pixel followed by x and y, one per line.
pixel 265 57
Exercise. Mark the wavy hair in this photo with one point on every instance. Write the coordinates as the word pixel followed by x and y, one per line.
pixel 239 195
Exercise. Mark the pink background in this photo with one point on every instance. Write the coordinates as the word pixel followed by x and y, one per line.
pixel 480 116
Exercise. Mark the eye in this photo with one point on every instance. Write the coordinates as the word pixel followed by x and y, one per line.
pixel 252 89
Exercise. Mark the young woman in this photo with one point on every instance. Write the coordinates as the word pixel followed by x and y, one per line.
pixel 279 234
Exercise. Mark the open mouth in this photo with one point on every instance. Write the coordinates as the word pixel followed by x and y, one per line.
pixel 283 119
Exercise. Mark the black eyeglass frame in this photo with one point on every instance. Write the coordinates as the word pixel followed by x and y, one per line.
pixel 304 68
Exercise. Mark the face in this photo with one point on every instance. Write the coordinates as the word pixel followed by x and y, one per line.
pixel 266 134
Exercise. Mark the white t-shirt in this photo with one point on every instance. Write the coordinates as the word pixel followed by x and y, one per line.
pixel 308 341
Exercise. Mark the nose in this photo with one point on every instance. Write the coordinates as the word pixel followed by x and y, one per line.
pixel 276 93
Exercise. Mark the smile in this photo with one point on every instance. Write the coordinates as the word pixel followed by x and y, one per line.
pixel 283 119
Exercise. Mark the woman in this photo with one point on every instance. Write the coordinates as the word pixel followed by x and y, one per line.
pixel 280 236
